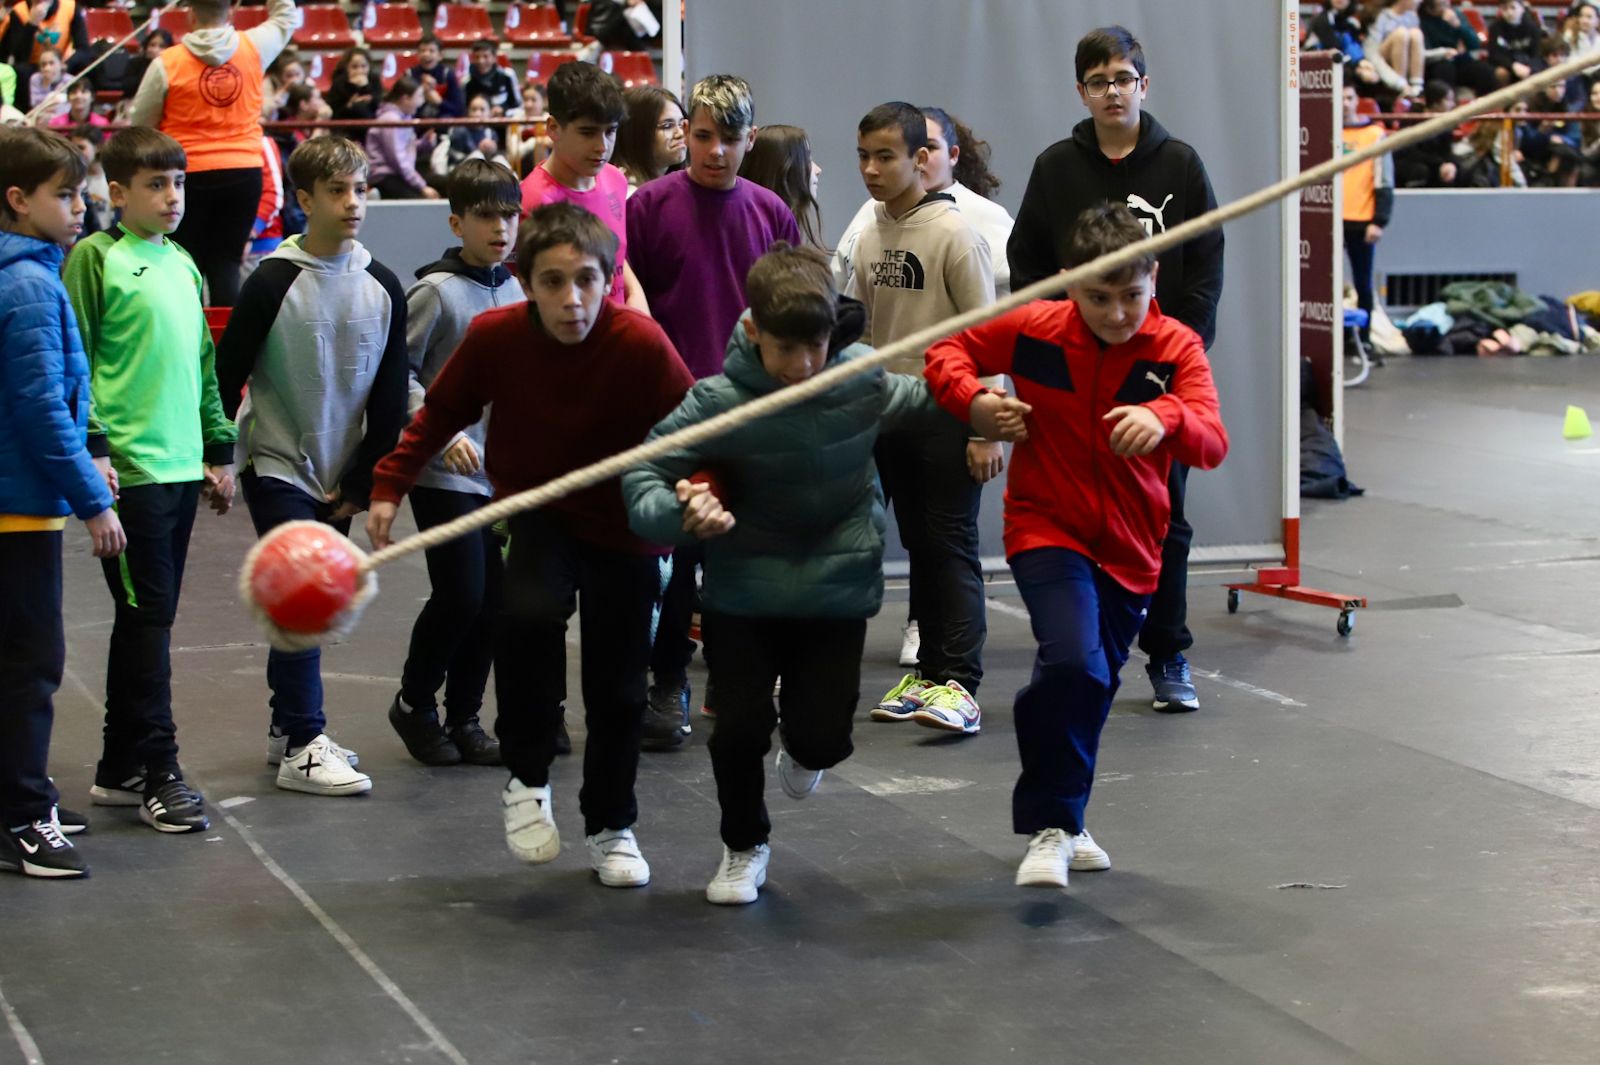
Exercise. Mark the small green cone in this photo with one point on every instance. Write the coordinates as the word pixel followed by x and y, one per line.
pixel 1577 427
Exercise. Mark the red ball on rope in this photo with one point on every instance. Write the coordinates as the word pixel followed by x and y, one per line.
pixel 306 582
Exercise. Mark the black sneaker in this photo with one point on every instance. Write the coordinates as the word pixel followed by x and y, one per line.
pixel 423 736
pixel 475 746
pixel 69 822
pixel 170 805
pixel 563 741
pixel 666 718
pixel 117 789
pixel 41 850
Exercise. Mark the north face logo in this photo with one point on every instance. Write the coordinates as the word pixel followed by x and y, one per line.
pixel 899 269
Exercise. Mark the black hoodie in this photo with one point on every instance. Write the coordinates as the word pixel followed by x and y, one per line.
pixel 1162 181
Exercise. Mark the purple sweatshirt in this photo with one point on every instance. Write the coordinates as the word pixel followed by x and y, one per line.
pixel 393 150
pixel 691 248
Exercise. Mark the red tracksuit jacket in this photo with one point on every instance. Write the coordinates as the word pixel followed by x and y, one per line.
pixel 1066 487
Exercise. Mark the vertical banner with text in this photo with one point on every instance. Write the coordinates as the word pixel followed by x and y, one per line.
pixel 1321 233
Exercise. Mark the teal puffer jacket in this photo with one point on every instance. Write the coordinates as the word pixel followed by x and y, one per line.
pixel 801 484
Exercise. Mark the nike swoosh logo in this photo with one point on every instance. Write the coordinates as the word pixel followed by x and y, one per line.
pixel 31 848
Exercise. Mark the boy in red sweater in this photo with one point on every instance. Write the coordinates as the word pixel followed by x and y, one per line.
pixel 1110 392
pixel 552 367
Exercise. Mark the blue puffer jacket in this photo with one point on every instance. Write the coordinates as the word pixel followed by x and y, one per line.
pixel 45 469
pixel 801 485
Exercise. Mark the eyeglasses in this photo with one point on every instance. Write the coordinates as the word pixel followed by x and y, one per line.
pixel 1125 84
pixel 669 127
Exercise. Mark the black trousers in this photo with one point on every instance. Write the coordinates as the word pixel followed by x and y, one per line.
pixel 452 642
pixel 218 216
pixel 548 574
pixel 145 581
pixel 820 663
pixel 33 655
pixel 925 478
pixel 669 659
pixel 1362 258
pixel 1166 630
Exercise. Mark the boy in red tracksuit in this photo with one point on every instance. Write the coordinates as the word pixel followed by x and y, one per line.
pixel 1110 392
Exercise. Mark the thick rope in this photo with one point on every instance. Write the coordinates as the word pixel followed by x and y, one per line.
pixel 919 341
pixel 109 52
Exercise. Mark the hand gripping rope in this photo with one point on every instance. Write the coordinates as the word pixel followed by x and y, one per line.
pixel 307 583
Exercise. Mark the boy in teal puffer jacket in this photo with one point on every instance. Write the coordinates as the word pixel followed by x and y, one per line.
pixel 790 585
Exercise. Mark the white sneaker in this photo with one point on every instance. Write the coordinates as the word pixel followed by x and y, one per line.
pixel 795 779
pixel 910 644
pixel 1045 864
pixel 278 746
pixel 530 822
pixel 1087 855
pixel 319 768
pixel 614 855
pixel 739 877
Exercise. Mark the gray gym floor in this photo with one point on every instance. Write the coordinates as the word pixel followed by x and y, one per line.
pixel 1436 776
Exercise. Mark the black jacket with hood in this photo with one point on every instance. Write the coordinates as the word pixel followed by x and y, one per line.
pixel 1162 181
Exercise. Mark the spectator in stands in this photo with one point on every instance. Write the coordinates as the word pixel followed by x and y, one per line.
pixel 1395 37
pixel 1552 147
pixel 1515 37
pixel 155 42
pixel 1483 157
pixel 220 132
pixel 285 72
pixel 474 142
pixel 490 79
pixel 354 93
pixel 441 89
pixel 267 233
pixel 1431 164
pixel 1590 141
pixel 34 26
pixel 48 78
pixel 628 25
pixel 1337 28
pixel 532 145
pixel 100 215
pixel 1368 201
pixel 1574 90
pixel 1582 30
pixel 1443 29
pixel 781 160
pixel 80 108
pixel 652 140
pixel 392 150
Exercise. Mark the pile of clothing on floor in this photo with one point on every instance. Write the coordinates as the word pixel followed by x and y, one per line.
pixel 1493 318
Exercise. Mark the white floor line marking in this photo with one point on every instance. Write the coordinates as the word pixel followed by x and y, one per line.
pixel 1211 675
pixel 237 800
pixel 329 925
pixel 351 947
pixel 30 1049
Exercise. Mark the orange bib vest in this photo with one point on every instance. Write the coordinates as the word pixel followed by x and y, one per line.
pixel 1360 182
pixel 55 32
pixel 215 111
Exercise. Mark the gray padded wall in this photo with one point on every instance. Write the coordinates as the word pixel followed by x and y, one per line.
pixel 1005 67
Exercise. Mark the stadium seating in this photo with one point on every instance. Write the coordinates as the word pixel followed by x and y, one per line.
pixel 109 24
pixel 391 26
pixel 462 24
pixel 324 26
pixel 535 25
pixel 542 64
pixel 631 68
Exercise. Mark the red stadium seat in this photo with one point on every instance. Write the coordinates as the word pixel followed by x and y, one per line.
pixel 244 18
pixel 394 66
pixel 391 26
pixel 580 24
pixel 631 68
pixel 1368 106
pixel 1474 19
pixel 542 64
pixel 535 25
pixel 109 24
pixel 462 24
pixel 319 70
pixel 324 26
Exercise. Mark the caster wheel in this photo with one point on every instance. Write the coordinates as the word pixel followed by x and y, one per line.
pixel 1347 623
pixel 1233 600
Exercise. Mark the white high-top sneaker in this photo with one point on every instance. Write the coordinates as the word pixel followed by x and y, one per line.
pixel 320 768
pixel 530 822
pixel 795 779
pixel 740 876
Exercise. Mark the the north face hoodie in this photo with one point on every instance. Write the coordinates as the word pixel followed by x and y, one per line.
pixel 448 295
pixel 917 270
pixel 1162 181
pixel 322 344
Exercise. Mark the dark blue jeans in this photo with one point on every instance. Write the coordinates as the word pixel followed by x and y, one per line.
pixel 1084 622
pixel 33 654
pixel 295 677
pixel 144 582
pixel 452 642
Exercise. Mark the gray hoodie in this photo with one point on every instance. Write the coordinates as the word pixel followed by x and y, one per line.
pixel 214 47
pixel 322 344
pixel 448 295
pixel 917 270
